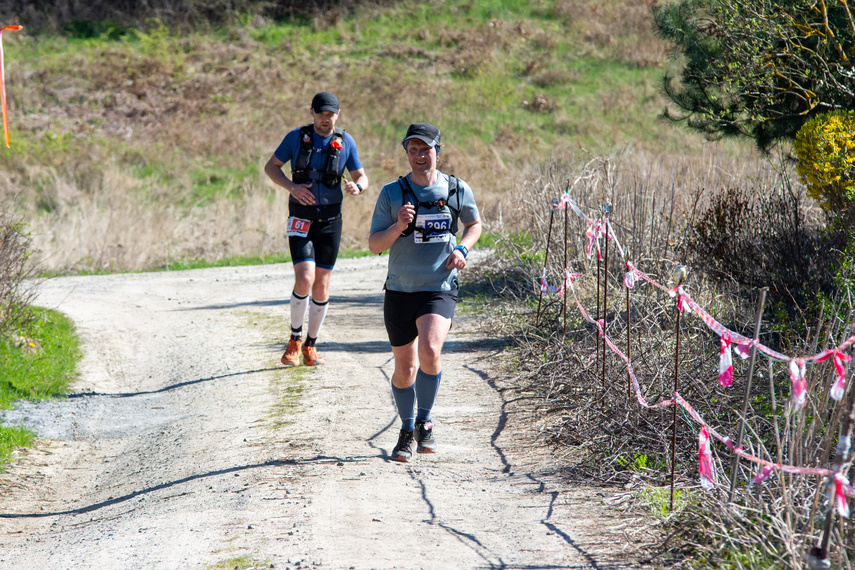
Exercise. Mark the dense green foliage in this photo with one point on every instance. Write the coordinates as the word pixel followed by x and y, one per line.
pixel 825 148
pixel 758 68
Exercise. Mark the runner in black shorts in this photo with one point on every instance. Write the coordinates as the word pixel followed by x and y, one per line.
pixel 416 220
pixel 319 153
pixel 402 310
pixel 321 243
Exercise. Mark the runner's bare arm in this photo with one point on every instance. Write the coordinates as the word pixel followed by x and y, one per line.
pixel 301 192
pixel 358 182
pixel 378 242
pixel 471 233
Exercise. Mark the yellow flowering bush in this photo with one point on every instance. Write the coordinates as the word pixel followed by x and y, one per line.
pixel 825 147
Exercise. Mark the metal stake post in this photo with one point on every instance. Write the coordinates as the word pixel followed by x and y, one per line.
pixel 564 271
pixel 597 316
pixel 679 276
pixel 741 431
pixel 606 211
pixel 628 347
pixel 545 262
pixel 818 555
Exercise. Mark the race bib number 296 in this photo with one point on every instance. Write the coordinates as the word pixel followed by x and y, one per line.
pixel 433 228
pixel 298 227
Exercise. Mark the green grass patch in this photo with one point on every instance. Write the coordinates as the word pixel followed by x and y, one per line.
pixel 239 261
pixel 210 183
pixel 488 240
pixel 289 385
pixel 35 364
pixel 12 438
pixel 40 361
pixel 239 563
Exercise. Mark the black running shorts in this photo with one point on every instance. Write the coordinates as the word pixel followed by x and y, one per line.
pixel 322 242
pixel 400 311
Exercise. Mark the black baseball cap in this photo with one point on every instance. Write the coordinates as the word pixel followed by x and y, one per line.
pixel 422 131
pixel 325 101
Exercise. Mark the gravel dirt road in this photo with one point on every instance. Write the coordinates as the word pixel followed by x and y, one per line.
pixel 184 443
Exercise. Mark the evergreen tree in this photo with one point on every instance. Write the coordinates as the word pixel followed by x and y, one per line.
pixel 758 68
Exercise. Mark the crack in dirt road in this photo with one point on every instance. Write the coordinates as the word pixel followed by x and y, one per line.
pixel 185 444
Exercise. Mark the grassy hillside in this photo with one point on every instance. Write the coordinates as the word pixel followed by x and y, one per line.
pixel 138 149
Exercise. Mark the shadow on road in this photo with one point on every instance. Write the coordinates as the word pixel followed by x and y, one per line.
pixel 117 500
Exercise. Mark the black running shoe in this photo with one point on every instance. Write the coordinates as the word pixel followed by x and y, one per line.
pixel 403 451
pixel 425 443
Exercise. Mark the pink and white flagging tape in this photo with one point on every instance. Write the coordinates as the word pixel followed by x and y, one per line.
pixel 838 485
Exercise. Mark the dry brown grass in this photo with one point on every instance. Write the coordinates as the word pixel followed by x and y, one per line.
pixel 623 29
pixel 117 130
pixel 115 227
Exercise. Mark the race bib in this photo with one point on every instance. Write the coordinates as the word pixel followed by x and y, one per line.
pixel 298 227
pixel 432 228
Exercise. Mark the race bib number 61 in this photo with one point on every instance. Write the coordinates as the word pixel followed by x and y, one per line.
pixel 298 227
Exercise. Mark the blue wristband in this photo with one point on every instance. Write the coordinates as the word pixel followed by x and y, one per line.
pixel 464 250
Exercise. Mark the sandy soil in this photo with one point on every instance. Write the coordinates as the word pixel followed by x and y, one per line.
pixel 186 445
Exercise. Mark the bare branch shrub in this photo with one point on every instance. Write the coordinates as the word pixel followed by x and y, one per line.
pixel 15 268
pixel 590 414
pixel 761 236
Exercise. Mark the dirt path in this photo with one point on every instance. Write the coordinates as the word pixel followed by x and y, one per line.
pixel 186 445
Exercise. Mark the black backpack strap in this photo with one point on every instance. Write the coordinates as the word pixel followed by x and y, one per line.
pixel 307 146
pixel 454 188
pixel 330 176
pixel 406 189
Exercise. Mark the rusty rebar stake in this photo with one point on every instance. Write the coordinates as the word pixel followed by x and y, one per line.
pixel 741 432
pixel 545 262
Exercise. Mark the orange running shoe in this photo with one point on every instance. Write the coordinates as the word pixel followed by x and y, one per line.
pixel 311 356
pixel 292 355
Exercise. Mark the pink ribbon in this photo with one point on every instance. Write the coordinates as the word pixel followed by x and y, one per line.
pixel 744 350
pixel 559 291
pixel 840 501
pixel 743 345
pixel 595 228
pixel 839 387
pixel 797 376
pixel 705 460
pixel 629 276
pixel 725 362
pixel 764 473
pixel 562 203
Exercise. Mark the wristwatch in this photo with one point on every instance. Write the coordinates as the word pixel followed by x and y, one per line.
pixel 361 189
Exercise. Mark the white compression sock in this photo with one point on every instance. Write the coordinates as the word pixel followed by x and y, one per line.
pixel 298 311
pixel 317 314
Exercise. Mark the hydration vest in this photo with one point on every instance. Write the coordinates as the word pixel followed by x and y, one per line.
pixel 329 175
pixel 453 187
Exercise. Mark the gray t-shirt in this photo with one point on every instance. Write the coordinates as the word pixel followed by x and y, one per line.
pixel 417 262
